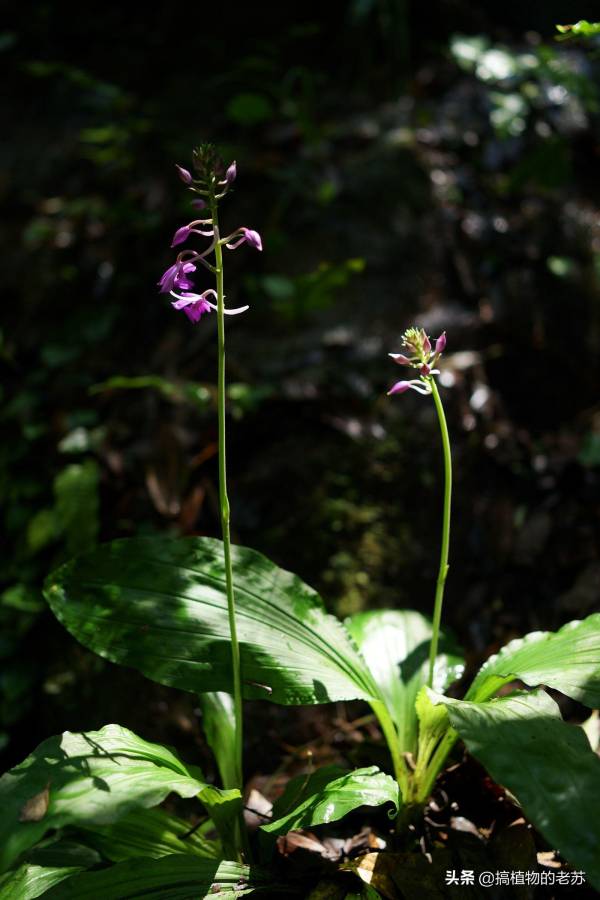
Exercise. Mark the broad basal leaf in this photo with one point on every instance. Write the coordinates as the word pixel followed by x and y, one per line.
pixel 548 765
pixel 395 644
pixel 160 606
pixel 44 867
pixel 152 833
pixel 30 881
pixel 75 779
pixel 218 722
pixel 567 660
pixel 170 878
pixel 329 794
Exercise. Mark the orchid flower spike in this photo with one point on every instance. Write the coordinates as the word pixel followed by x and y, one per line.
pixel 419 356
pixel 177 280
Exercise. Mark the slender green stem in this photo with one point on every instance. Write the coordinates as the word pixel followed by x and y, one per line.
pixel 391 736
pixel 443 572
pixel 224 502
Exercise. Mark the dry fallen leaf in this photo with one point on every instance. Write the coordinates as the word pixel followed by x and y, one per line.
pixel 36 808
pixel 257 809
pixel 287 843
pixel 548 858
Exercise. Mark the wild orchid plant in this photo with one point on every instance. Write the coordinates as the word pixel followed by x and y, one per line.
pixel 177 281
pixel 82 817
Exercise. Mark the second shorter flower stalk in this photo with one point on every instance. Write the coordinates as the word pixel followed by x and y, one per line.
pixel 443 570
pixel 420 355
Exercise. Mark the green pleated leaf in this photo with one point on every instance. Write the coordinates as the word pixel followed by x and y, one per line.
pixel 29 881
pixel 328 795
pixel 75 779
pixel 567 660
pixel 225 809
pixel 160 605
pixel 547 764
pixel 152 833
pixel 46 866
pixel 395 645
pixel 169 878
pixel 218 722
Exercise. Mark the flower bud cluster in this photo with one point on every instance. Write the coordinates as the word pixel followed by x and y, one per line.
pixel 419 355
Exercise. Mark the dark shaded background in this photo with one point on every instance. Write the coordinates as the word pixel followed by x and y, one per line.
pixel 405 163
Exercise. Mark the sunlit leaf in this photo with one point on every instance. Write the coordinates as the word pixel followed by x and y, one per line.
pixel 578 29
pixel 160 605
pixel 329 794
pixel 547 764
pixel 169 878
pixel 567 660
pixel 395 644
pixel 225 809
pixel 96 776
pixel 29 881
pixel 44 867
pixel 150 833
pixel 218 722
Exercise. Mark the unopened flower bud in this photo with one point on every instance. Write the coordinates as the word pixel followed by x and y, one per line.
pixel 253 238
pixel 181 235
pixel 400 359
pixel 440 344
pixel 199 203
pixel 230 174
pixel 185 176
pixel 426 343
pixel 241 236
pixel 424 369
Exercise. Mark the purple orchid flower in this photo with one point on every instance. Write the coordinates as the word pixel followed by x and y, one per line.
pixel 175 276
pixel 195 305
pixel 244 235
pixel 415 385
pixel 194 309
